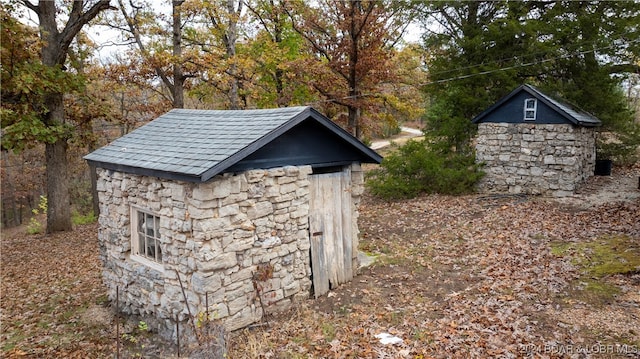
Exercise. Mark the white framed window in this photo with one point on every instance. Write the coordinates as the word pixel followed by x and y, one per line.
pixel 145 238
pixel 530 109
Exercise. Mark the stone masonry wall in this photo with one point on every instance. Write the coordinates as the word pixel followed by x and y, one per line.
pixel 214 236
pixel 534 158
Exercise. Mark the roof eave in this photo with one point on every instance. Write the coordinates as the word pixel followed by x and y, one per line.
pixel 543 97
pixel 589 124
pixel 303 115
pixel 146 171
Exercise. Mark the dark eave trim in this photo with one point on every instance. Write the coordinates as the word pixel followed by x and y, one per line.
pixel 145 171
pixel 543 97
pixel 342 133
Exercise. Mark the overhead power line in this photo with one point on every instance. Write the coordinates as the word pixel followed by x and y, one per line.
pixel 575 47
pixel 517 66
pixel 462 77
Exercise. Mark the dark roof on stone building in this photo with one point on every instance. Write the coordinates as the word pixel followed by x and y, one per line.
pixel 565 111
pixel 196 145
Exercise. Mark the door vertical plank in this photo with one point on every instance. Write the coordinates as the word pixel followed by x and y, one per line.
pixel 330 208
pixel 346 227
pixel 330 250
pixel 335 207
pixel 318 259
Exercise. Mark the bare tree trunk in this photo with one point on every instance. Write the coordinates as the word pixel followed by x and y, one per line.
pixel 58 200
pixel 178 74
pixel 231 38
pixel 8 191
pixel 279 73
pixel 354 110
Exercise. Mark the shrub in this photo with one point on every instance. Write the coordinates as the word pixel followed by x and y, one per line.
pixel 80 219
pixel 34 226
pixel 417 168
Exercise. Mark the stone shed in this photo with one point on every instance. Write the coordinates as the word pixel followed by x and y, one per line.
pixel 246 211
pixel 531 143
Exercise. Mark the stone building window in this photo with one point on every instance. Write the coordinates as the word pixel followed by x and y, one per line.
pixel 530 108
pixel 145 238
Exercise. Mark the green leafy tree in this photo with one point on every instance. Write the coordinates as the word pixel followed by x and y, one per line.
pixel 596 45
pixel 273 49
pixel 469 40
pixel 477 52
pixel 35 111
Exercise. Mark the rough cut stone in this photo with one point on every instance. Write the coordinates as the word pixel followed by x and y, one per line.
pixel 226 260
pixel 213 237
pixel 260 209
pixel 203 283
pixel 547 159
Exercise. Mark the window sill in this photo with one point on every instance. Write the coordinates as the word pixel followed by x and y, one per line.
pixel 149 263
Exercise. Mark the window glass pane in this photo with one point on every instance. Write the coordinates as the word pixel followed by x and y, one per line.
pixel 151 248
pixel 156 227
pixel 158 252
pixel 147 235
pixel 141 249
pixel 531 103
pixel 149 225
pixel 530 115
pixel 140 222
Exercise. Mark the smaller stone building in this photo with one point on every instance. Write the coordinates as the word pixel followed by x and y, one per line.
pixel 531 143
pixel 243 211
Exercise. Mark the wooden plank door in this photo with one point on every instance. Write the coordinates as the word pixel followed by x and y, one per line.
pixel 330 230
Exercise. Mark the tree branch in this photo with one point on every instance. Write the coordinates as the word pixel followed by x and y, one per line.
pixel 624 68
pixel 260 19
pixel 302 33
pixel 32 7
pixel 77 20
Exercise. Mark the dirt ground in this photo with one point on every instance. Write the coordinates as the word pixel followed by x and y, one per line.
pixel 454 277
pixel 623 185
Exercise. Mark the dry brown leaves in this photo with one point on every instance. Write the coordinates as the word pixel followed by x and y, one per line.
pixel 457 277
pixel 462 277
pixel 48 283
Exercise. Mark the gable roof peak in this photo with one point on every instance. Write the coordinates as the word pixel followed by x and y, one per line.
pixel 570 112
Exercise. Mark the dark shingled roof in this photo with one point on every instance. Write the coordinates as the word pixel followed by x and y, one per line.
pixel 571 113
pixel 196 145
